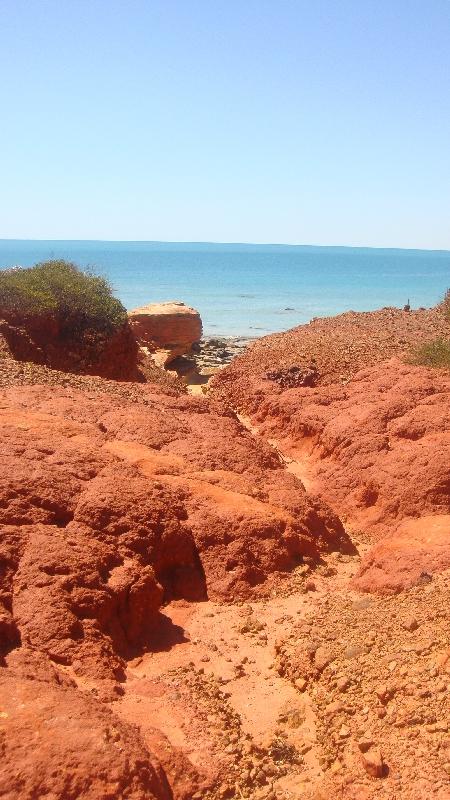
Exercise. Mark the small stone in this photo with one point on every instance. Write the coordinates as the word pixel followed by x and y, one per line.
pixel 322 657
pixel 382 693
pixel 343 684
pixel 353 651
pixel 410 624
pixel 310 586
pixel 261 777
pixel 344 732
pixel 361 604
pixel 334 707
pixel 365 744
pixel 372 762
pixel 300 684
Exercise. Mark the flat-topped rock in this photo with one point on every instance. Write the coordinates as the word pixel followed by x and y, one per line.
pixel 168 329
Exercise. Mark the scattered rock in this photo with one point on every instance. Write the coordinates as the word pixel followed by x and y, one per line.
pixel 294 377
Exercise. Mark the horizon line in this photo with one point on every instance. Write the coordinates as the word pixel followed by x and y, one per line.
pixel 232 244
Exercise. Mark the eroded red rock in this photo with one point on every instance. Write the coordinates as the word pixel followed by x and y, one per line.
pixel 115 500
pixel 409 557
pixel 56 741
pixel 377 450
pixel 38 340
pixel 110 507
pixel 107 507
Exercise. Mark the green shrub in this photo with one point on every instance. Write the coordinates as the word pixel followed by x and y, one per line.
pixel 433 354
pixel 80 302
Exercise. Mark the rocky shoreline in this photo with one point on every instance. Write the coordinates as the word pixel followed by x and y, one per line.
pixel 218 351
pixel 207 357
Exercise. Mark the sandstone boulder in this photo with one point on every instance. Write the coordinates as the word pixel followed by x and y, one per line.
pixel 166 329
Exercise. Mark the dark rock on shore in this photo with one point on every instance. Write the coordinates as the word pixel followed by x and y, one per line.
pixel 208 356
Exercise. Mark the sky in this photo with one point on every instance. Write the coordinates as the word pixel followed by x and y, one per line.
pixel 291 121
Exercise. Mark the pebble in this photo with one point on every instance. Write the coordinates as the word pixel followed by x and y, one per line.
pixel 410 624
pixel 365 744
pixel 353 651
pixel 372 761
pixel 322 657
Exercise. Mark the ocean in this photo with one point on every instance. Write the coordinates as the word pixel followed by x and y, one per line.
pixel 251 290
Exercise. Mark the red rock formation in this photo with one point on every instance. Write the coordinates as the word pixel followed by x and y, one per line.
pixel 107 506
pixel 115 498
pixel 377 450
pixel 39 340
pixel 59 742
pixel 167 329
pixel 375 446
pixel 409 557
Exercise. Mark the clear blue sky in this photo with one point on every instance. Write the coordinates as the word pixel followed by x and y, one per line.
pixel 300 121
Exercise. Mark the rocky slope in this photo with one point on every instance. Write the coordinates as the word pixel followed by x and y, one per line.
pixel 375 446
pixel 110 506
pixel 195 606
pixel 334 347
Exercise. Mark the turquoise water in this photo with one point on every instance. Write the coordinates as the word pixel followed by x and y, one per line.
pixel 251 290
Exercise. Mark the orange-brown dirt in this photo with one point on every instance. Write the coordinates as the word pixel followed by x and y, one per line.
pixel 184 615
